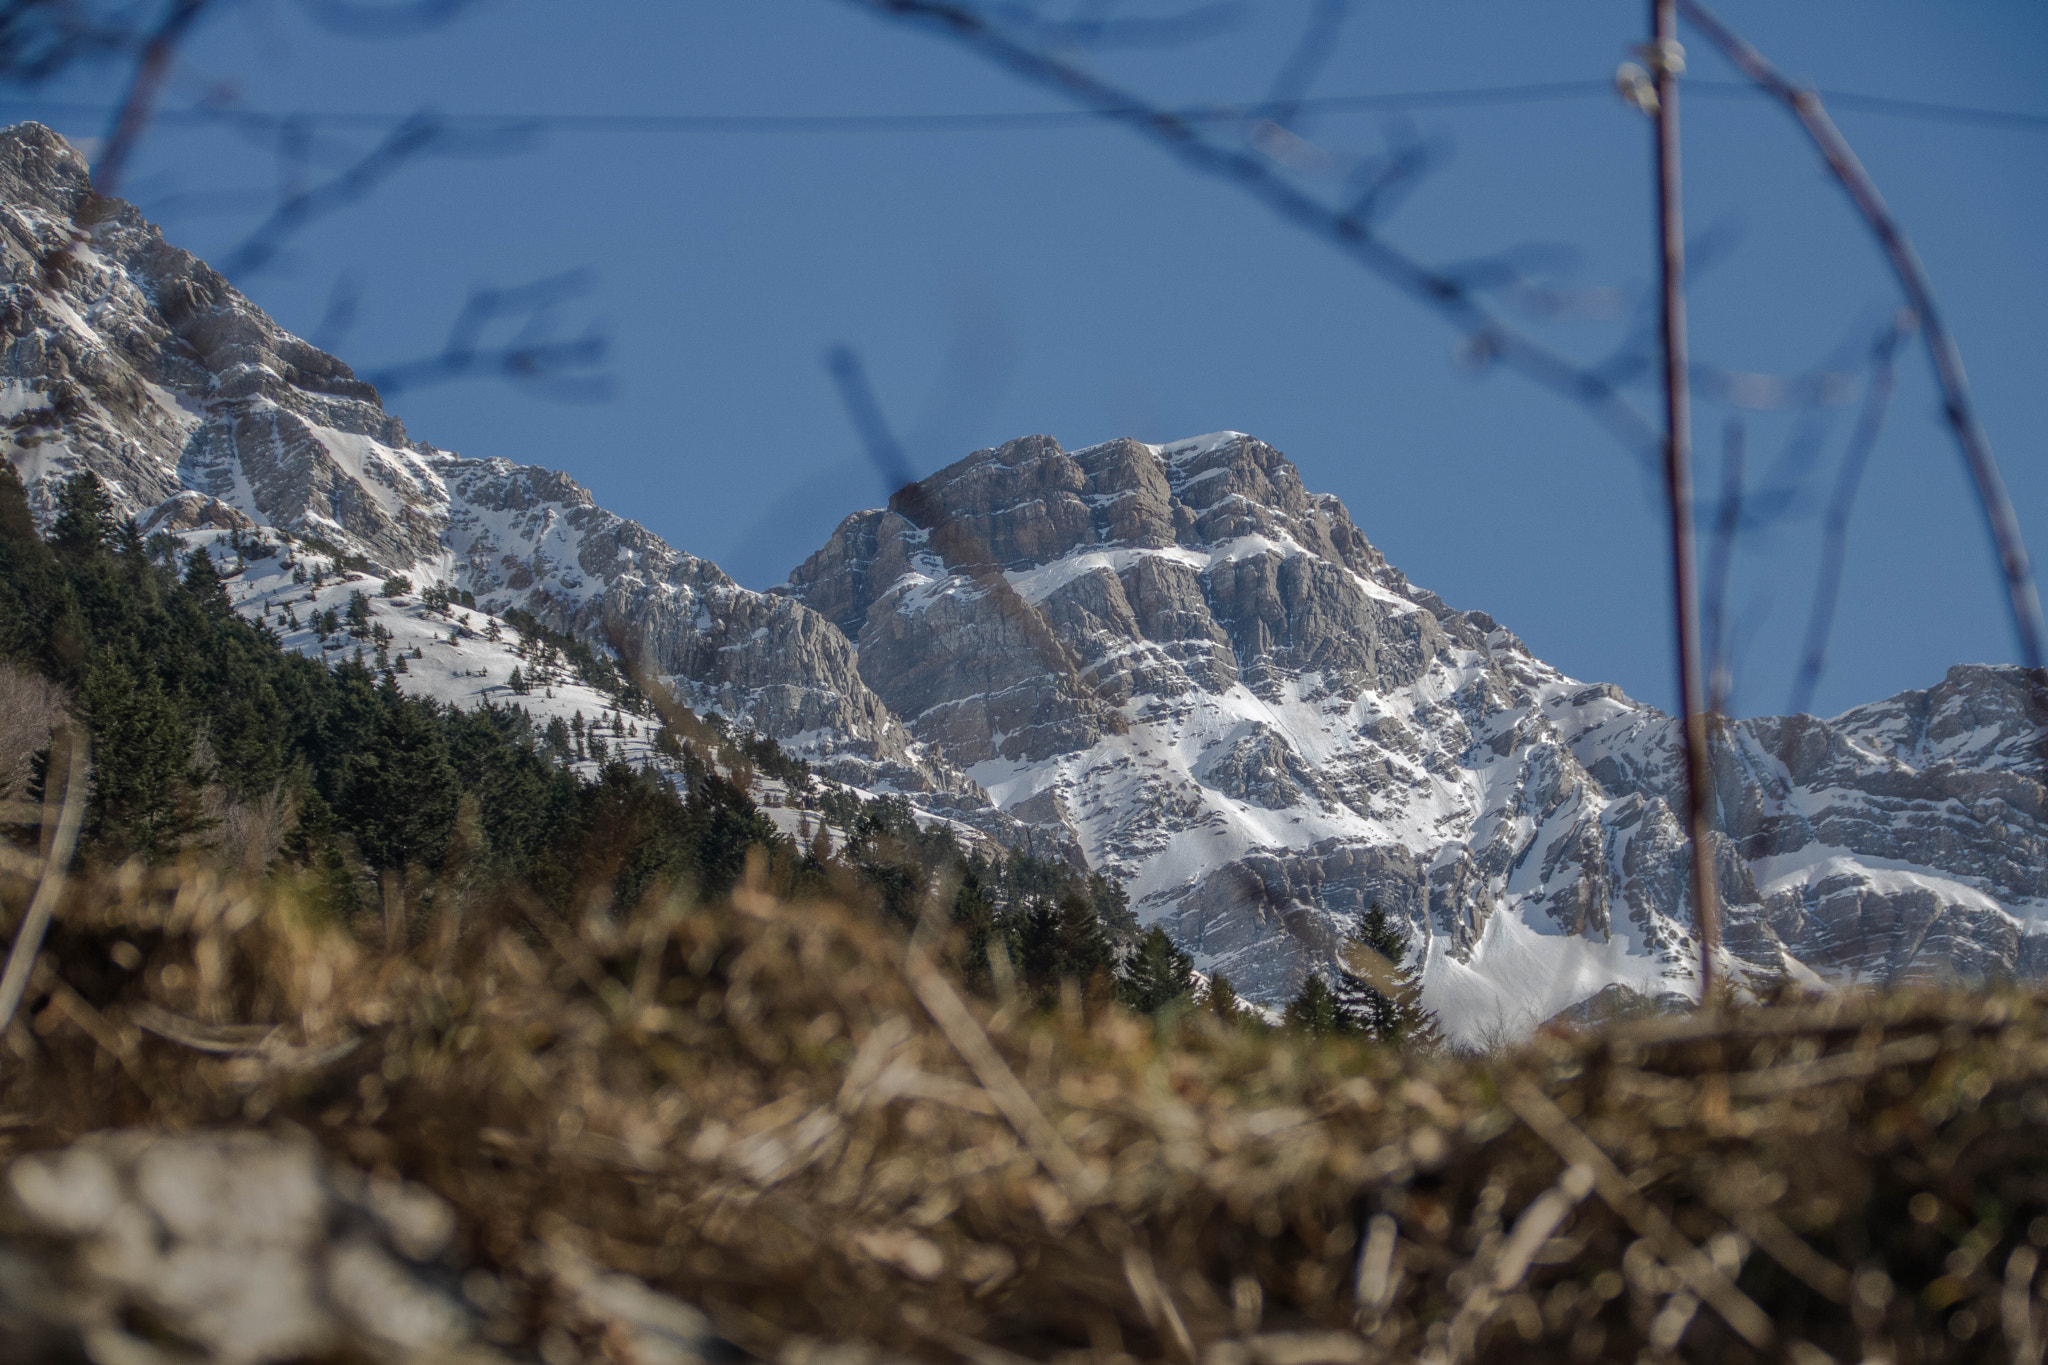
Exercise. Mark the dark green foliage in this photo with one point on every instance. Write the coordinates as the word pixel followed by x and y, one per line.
pixel 594 669
pixel 204 586
pixel 398 585
pixel 765 754
pixel 187 703
pixel 191 708
pixel 1156 975
pixel 1060 940
pixel 145 792
pixel 1392 1015
pixel 399 789
pixel 343 563
pixel 1314 1009
pixel 85 519
pixel 1222 1001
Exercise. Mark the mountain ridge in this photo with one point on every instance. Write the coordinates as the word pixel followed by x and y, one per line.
pixel 1173 660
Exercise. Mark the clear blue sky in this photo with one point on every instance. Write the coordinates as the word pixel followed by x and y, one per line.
pixel 1076 282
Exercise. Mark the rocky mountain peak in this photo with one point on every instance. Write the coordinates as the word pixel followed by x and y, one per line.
pixel 1173 659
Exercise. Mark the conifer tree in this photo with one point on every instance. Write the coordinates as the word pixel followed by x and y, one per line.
pixel 1222 1001
pixel 1156 974
pixel 1314 1010
pixel 85 518
pixel 202 581
pixel 401 789
pixel 1394 1015
pixel 144 791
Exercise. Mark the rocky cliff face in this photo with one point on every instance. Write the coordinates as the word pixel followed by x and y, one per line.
pixel 132 359
pixel 1211 678
pixel 1174 658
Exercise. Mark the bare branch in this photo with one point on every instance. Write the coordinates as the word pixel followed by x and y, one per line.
pixel 1311 54
pixel 409 139
pixel 396 19
pixel 843 363
pixel 1091 27
pixel 2001 521
pixel 1489 340
pixel 535 357
pixel 1714 602
pixel 133 115
pixel 1666 64
pixel 1835 536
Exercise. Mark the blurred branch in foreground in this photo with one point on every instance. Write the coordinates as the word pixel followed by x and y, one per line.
pixel 1351 227
pixel 299 204
pixel 536 357
pixel 1958 409
pixel 1835 537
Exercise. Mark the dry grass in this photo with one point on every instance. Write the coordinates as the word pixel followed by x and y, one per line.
pixel 779 1112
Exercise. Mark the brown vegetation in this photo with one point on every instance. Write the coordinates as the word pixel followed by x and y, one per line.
pixel 788 1115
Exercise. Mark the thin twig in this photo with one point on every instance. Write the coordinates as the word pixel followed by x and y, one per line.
pixel 1714 606
pixel 1615 1189
pixel 133 115
pixel 1489 338
pixel 28 940
pixel 1667 62
pixel 1835 534
pixel 1958 409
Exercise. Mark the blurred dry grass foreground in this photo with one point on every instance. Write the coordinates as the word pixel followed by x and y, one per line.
pixel 785 1115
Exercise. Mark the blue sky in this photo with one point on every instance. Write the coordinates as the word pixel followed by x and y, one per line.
pixel 1075 281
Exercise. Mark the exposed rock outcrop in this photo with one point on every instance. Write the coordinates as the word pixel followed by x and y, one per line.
pixel 127 357
pixel 1215 682
pixel 1174 659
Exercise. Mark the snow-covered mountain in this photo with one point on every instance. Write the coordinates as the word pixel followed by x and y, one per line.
pixel 130 358
pixel 1172 659
pixel 1233 701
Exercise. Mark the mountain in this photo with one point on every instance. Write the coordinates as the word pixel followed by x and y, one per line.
pixel 140 363
pixel 1171 660
pixel 1211 677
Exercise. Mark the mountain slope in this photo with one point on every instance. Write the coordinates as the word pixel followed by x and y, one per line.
pixel 143 366
pixel 1174 660
pixel 1213 680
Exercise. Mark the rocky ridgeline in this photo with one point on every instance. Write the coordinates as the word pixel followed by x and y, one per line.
pixel 1263 728
pixel 140 363
pixel 1174 659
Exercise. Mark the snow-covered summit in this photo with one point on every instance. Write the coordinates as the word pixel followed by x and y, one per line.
pixel 1212 679
pixel 1172 658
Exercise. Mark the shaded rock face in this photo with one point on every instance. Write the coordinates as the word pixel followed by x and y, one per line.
pixel 139 363
pixel 1212 680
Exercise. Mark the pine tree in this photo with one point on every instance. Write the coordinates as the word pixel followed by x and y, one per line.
pixel 1392 1015
pixel 400 792
pixel 1156 975
pixel 1059 939
pixel 1314 1009
pixel 144 790
pixel 1222 1001
pixel 202 580
pixel 85 517
pixel 359 614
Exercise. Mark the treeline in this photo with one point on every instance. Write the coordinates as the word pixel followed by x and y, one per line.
pixel 209 739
